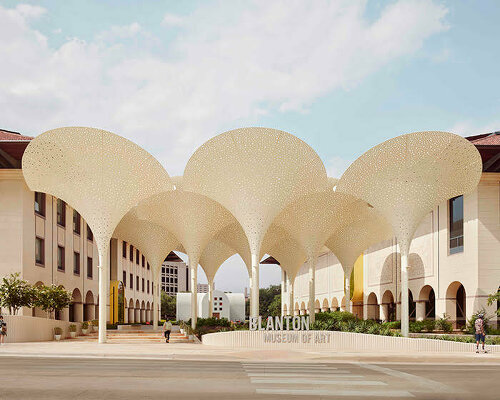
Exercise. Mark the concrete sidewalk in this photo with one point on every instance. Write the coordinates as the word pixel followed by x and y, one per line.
pixel 189 351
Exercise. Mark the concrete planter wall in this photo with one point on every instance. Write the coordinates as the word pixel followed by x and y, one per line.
pixel 22 328
pixel 336 341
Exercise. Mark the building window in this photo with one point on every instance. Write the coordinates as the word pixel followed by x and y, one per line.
pixel 148 266
pixel 61 212
pixel 147 285
pixel 60 258
pixel 456 206
pixel 143 262
pixel 137 282
pixel 76 263
pixel 124 249
pixel 89 268
pixel 124 279
pixel 40 251
pixel 131 258
pixel 76 222
pixel 90 235
pixel 137 257
pixel 143 285
pixel 131 281
pixel 40 203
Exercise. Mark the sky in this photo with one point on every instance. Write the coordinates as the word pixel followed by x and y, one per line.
pixel 342 75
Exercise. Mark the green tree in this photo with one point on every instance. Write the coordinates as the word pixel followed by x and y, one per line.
pixel 494 297
pixel 52 298
pixel 16 293
pixel 266 298
pixel 168 306
pixel 274 308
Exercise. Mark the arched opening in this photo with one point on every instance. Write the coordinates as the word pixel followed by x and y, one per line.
pixel 388 306
pixel 317 306
pixel 372 307
pixel 143 312
pixel 89 307
pixel 296 310
pixel 131 313
pixel 325 305
pixel 137 314
pixel 456 303
pixel 148 312
pixel 75 309
pixel 334 305
pixel 302 308
pixel 342 304
pixel 412 307
pixel 426 305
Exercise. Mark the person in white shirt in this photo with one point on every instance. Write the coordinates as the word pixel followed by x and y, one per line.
pixel 167 328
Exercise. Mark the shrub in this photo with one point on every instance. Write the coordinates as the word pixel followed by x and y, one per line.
pixel 85 325
pixel 392 324
pixel 443 324
pixel 416 327
pixel 95 322
pixel 429 325
pixel 58 330
pixel 72 328
pixel 16 293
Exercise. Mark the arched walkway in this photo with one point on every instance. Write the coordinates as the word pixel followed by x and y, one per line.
pixel 388 307
pixel 455 304
pixel 334 305
pixel 426 304
pixel 372 307
pixel 75 309
pixel 131 313
pixel 342 304
pixel 325 305
pixel 89 307
pixel 317 306
pixel 303 308
pixel 137 316
pixel 296 310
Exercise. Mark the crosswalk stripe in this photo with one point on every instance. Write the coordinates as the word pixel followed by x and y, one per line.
pixel 298 375
pixel 339 382
pixel 324 392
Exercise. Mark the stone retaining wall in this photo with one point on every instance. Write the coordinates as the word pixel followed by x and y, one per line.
pixel 337 341
pixel 22 328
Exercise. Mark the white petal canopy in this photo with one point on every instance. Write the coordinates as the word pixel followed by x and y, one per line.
pixel 100 174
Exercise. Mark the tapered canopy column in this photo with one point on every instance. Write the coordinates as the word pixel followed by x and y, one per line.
pixel 255 173
pixel 405 178
pixel 101 175
pixel 193 219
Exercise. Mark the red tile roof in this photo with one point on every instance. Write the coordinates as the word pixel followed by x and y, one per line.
pixel 486 139
pixel 14 136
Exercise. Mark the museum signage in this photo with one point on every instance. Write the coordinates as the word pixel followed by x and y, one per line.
pixel 283 323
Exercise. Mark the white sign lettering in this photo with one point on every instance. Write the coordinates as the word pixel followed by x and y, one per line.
pixel 283 323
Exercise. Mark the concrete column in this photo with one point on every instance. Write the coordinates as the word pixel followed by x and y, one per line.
pixel 405 319
pixel 312 287
pixel 347 278
pixel 254 295
pixel 125 315
pixel 193 266
pixel 283 292
pixel 384 312
pixel 250 293
pixel 155 301
pixel 130 315
pixel 103 291
pixel 291 303
pixel 210 297
pixel 78 312
pixel 420 310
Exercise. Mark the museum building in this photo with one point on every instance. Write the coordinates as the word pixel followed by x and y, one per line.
pixel 453 263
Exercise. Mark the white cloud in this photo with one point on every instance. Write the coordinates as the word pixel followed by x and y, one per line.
pixel 471 128
pixel 30 11
pixel 336 166
pixel 172 20
pixel 232 62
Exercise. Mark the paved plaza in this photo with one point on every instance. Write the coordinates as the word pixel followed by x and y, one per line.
pixel 64 378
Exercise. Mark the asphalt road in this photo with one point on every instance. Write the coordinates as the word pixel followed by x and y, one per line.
pixel 71 378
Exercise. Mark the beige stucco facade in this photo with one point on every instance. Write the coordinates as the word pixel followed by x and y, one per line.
pixel 20 225
pixel 476 268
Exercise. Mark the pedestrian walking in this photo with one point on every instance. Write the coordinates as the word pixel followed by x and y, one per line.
pixel 167 328
pixel 3 330
pixel 479 326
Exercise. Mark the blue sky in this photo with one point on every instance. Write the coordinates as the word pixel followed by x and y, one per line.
pixel 342 75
